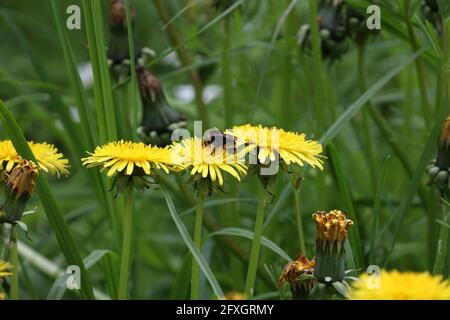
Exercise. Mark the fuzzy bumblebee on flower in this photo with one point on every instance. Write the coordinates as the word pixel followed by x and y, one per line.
pixel 209 163
pixel 17 180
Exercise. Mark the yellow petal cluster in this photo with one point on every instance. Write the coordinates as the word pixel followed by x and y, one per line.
pixel 395 285
pixel 207 160
pixel 127 157
pixel 292 147
pixel 46 154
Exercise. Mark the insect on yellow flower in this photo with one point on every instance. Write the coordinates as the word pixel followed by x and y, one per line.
pixel 129 158
pixel 206 160
pixel 395 285
pixel 47 156
pixel 292 147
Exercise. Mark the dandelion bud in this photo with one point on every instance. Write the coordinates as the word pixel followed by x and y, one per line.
pixel 331 230
pixel 332 28
pixel 159 119
pixel 222 5
pixel 430 11
pixel 20 184
pixel 118 52
pixel 299 275
pixel 438 169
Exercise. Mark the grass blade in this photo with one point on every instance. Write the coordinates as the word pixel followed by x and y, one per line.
pixel 376 211
pixel 249 235
pixel 190 244
pixel 54 214
pixel 346 198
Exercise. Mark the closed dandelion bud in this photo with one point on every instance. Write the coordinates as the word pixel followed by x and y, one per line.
pixel 159 119
pixel 331 230
pixel 430 10
pixel 438 169
pixel 222 5
pixel 355 22
pixel 118 52
pixel 299 275
pixel 332 27
pixel 19 186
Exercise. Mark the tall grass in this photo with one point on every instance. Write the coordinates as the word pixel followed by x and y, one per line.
pixel 377 111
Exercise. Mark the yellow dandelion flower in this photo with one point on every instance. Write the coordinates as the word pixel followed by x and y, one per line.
pixel 49 159
pixel 125 157
pixel 206 160
pixel 292 147
pixel 235 296
pixel 4 272
pixel 8 155
pixel 47 156
pixel 4 269
pixel 395 285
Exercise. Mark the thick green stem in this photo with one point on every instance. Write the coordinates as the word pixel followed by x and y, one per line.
pixel 126 245
pixel 441 251
pixel 195 275
pixel 298 216
pixel 256 244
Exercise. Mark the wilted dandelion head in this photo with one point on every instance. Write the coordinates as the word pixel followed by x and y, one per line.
pixel 22 178
pixel 207 160
pixel 395 285
pixel 129 158
pixel 331 226
pixel 47 156
pixel 294 269
pixel 292 147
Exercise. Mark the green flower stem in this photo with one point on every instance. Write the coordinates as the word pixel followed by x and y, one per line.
pixel 226 73
pixel 15 272
pixel 126 245
pixel 317 75
pixel 195 275
pixel 256 243
pixel 442 241
pixel 298 217
pixel 426 110
pixel 185 58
